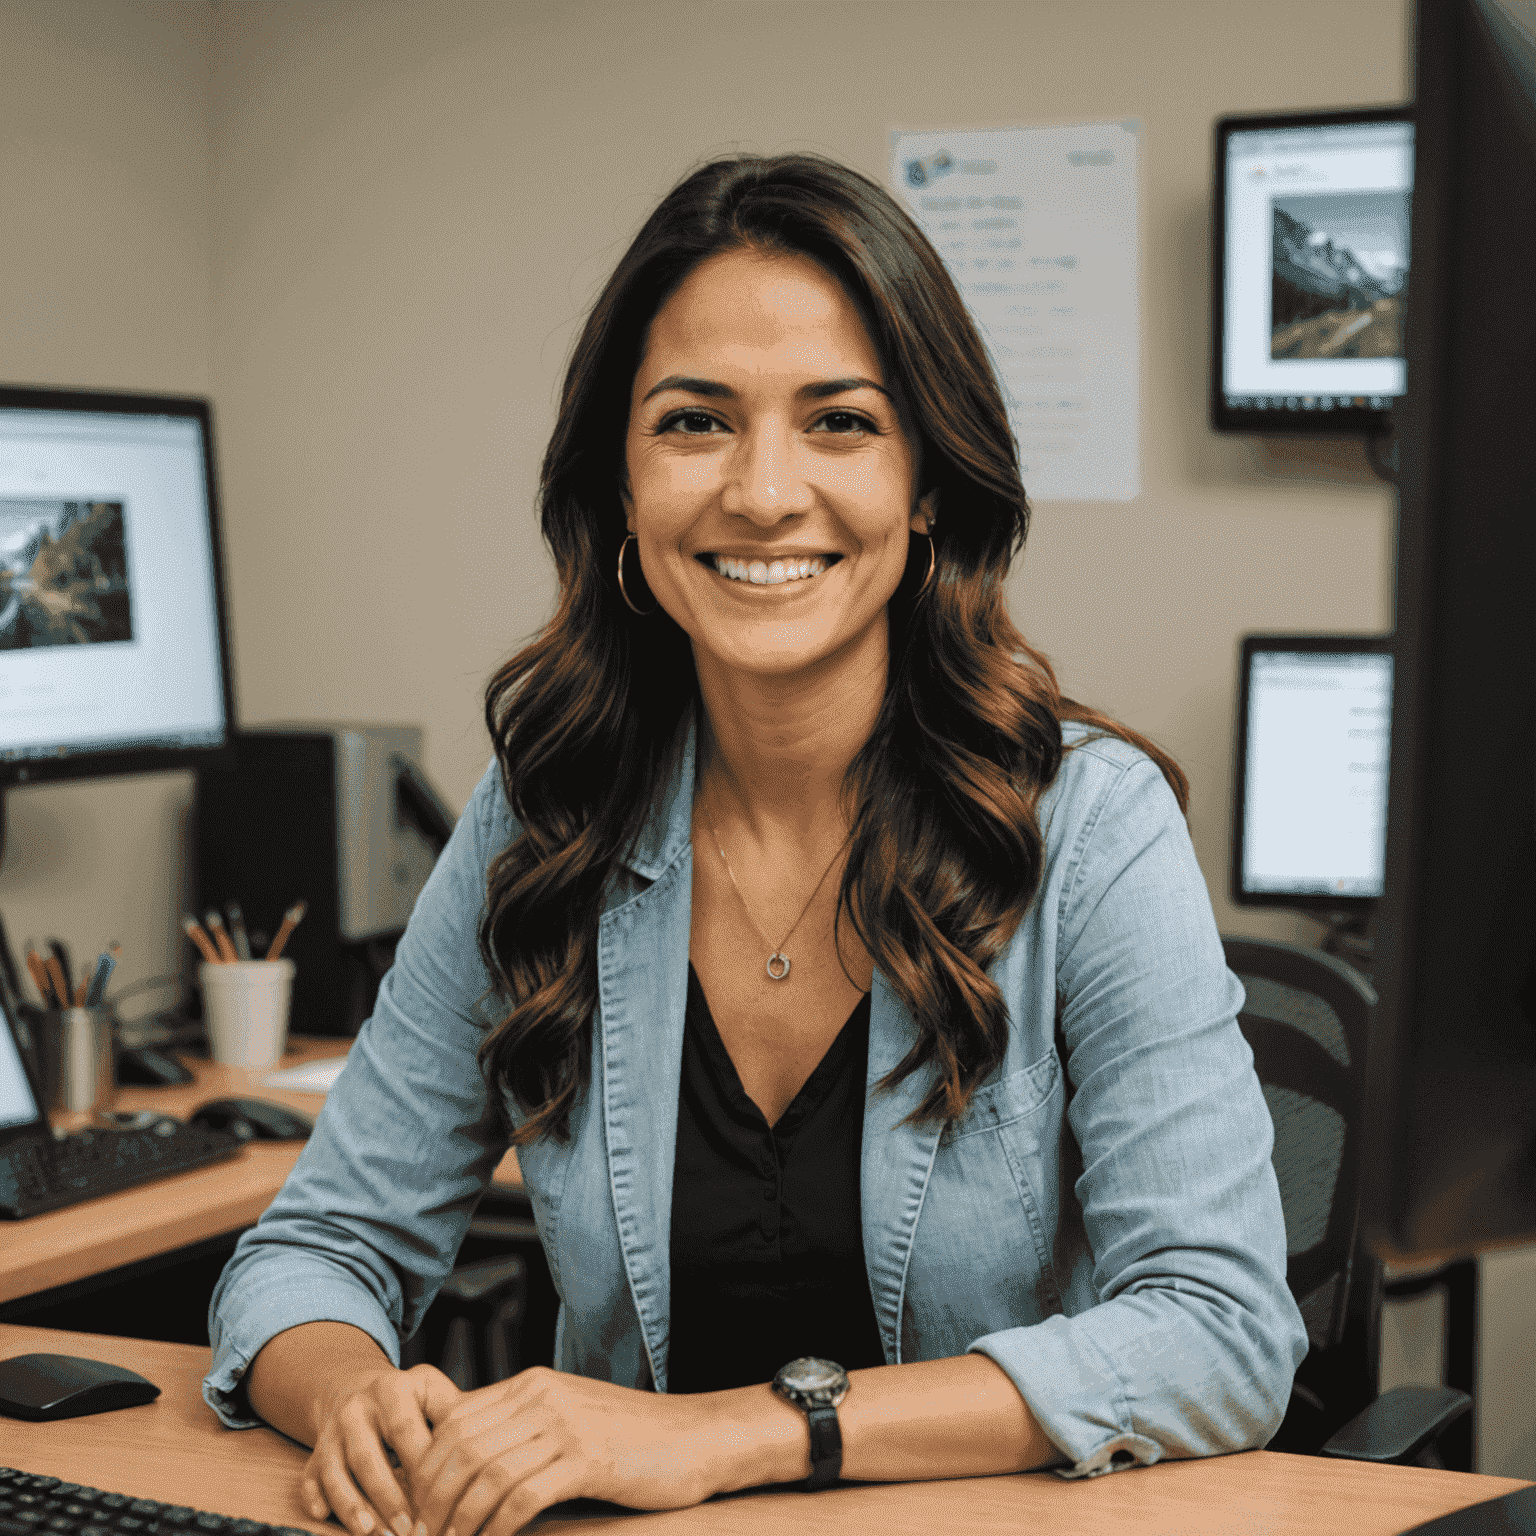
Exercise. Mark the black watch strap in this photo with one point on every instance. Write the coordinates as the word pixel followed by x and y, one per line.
pixel 826 1448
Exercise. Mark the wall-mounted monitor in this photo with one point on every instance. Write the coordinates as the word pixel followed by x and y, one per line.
pixel 1314 720
pixel 1311 270
pixel 114 651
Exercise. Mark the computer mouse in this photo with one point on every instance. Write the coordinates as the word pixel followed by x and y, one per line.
pixel 67 1386
pixel 253 1119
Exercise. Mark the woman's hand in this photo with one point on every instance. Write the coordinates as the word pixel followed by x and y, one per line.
pixel 348 1473
pixel 508 1451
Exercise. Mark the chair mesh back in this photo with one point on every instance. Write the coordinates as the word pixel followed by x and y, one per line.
pixel 1305 1011
pixel 1309 1141
pixel 1309 1146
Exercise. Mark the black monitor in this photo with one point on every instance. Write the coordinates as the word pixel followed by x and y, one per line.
pixel 114 648
pixel 1450 1164
pixel 1310 798
pixel 1311 270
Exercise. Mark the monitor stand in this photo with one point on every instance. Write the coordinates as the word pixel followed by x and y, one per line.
pixel 1349 938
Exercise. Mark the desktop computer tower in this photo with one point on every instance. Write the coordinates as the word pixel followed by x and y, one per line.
pixel 340 816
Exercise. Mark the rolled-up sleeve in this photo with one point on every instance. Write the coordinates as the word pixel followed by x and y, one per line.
pixel 365 1229
pixel 1193 1342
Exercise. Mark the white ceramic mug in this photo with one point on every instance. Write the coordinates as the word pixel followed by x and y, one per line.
pixel 245 1010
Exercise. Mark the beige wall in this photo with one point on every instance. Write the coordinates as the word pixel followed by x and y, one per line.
pixel 415 203
pixel 105 243
pixel 369 230
pixel 410 207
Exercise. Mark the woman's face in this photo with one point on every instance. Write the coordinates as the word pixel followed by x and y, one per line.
pixel 762 437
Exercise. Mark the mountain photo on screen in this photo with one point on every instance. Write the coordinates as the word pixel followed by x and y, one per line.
pixel 1339 270
pixel 63 574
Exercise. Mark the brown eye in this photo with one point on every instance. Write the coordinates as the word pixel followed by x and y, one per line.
pixel 689 423
pixel 845 421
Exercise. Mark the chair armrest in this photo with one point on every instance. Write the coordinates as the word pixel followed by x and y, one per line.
pixel 1399 1424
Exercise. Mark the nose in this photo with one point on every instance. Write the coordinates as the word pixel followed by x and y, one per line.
pixel 765 481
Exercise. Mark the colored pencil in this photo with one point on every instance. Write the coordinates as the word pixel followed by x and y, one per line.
pixel 237 930
pixel 215 925
pixel 39 973
pixel 105 962
pixel 291 920
pixel 56 976
pixel 193 931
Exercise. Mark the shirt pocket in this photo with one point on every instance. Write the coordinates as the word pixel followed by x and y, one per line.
pixel 1009 1141
pixel 1008 1100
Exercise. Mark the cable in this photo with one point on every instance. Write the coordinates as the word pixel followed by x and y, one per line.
pixel 1382 453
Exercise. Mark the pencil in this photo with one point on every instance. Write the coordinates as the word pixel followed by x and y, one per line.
pixel 56 946
pixel 60 986
pixel 39 973
pixel 237 930
pixel 194 932
pixel 105 961
pixel 291 920
pixel 8 962
pixel 80 987
pixel 215 925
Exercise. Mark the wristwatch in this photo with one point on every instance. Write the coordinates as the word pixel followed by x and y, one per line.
pixel 817 1387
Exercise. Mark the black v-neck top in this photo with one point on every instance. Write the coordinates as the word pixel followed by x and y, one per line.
pixel 767 1248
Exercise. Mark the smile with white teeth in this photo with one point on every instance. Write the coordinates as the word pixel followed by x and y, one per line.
pixel 770 573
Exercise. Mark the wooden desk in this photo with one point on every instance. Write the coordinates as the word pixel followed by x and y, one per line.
pixel 175 1449
pixel 152 1219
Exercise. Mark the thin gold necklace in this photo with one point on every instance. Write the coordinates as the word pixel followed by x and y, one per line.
pixel 778 954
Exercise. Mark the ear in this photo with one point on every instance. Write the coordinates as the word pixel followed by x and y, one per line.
pixel 926 513
pixel 628 505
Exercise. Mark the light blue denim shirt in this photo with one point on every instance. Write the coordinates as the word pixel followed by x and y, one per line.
pixel 1103 1222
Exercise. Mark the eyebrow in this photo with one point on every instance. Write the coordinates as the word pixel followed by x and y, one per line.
pixel 713 390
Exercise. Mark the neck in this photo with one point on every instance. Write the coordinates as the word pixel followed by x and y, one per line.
pixel 773 751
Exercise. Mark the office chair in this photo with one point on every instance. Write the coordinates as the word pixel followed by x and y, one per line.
pixel 472 1331
pixel 495 1314
pixel 1307 1017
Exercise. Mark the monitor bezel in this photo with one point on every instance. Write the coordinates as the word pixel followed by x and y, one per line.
pixel 139 758
pixel 1342 645
pixel 1344 421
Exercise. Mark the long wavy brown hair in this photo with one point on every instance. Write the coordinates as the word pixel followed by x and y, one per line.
pixel 946 850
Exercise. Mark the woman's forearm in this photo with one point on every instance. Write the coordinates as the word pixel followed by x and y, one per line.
pixel 297 1373
pixel 960 1417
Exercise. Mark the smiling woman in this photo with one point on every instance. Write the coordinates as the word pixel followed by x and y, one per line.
pixel 799 458
pixel 852 997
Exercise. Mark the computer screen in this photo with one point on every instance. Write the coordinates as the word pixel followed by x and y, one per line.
pixel 18 1104
pixel 1450 1148
pixel 1314 720
pixel 113 649
pixel 1311 262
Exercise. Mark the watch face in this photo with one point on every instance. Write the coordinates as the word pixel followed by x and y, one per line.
pixel 812 1383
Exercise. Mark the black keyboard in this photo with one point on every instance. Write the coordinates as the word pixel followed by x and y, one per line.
pixel 43 1506
pixel 41 1175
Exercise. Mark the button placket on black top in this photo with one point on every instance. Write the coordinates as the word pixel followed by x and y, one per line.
pixel 771 1219
pixel 766 1246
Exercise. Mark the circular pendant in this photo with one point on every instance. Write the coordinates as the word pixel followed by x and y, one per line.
pixel 780 958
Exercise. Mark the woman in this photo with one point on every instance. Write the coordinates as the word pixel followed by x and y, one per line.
pixel 846 991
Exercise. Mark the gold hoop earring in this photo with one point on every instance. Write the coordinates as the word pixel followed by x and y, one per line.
pixel 931 563
pixel 643 612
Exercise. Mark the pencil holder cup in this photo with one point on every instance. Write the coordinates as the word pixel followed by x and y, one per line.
pixel 73 1054
pixel 245 1010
